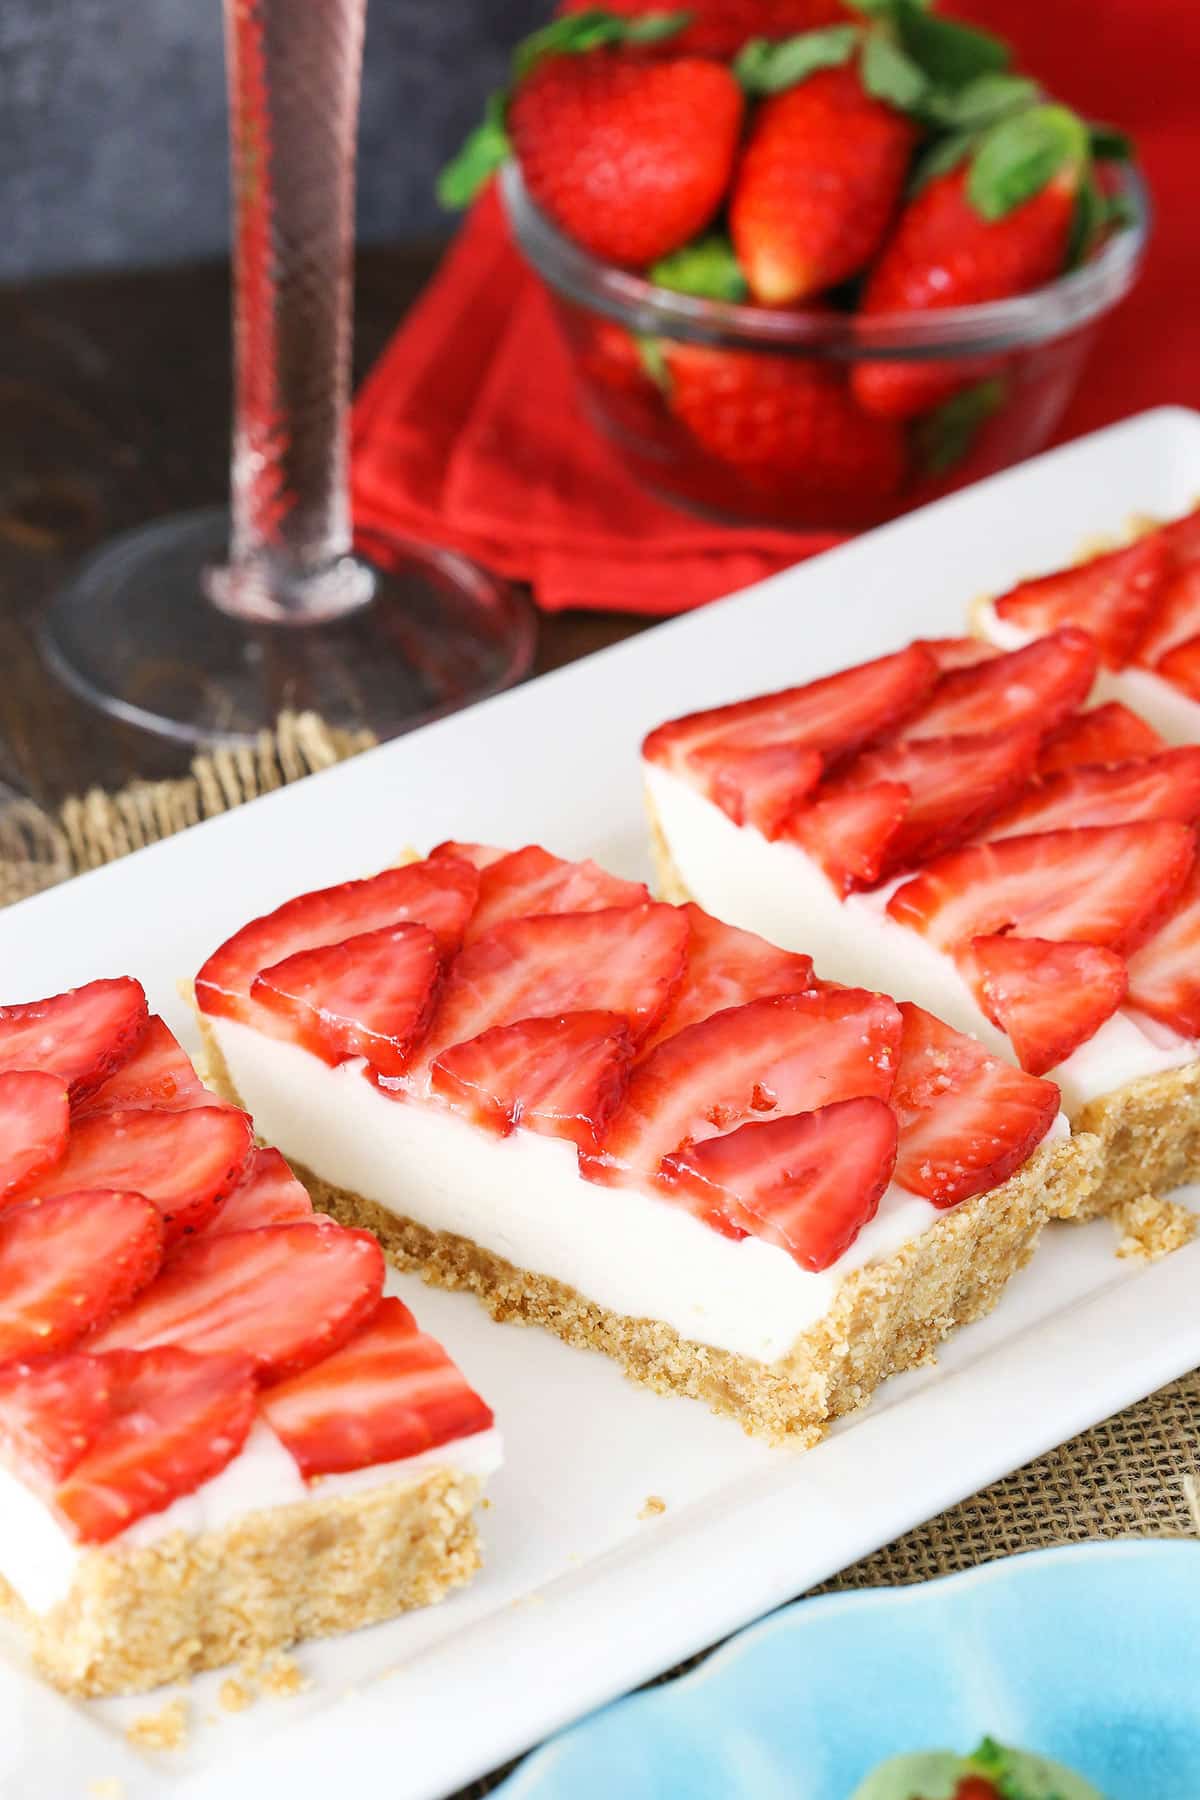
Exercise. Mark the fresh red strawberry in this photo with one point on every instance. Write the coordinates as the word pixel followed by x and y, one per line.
pixel 726 967
pixel 759 787
pixel 284 1295
pixel 563 1077
pixel 819 180
pixel 528 882
pixel 1166 786
pixel 1182 537
pixel 851 834
pixel 269 1195
pixel 50 1411
pixel 1175 617
pixel 1048 997
pixel 967 1120
pixel 1103 734
pixel 1181 667
pixel 159 1074
pixel 1037 685
pixel 479 856
pixel 958 653
pixel 186 1162
pixel 790 1054
pixel 1107 884
pixel 1164 975
pixel 371 996
pixel 720 27
pixel 389 1393
pixel 69 1263
pixel 174 1422
pixel 807 1184
pixel 82 1035
pixel 439 894
pixel 34 1117
pixel 1112 597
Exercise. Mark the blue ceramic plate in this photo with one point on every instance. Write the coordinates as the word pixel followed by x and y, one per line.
pixel 1089 1655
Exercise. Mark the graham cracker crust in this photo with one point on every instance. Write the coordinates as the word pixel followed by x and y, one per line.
pixel 135 1618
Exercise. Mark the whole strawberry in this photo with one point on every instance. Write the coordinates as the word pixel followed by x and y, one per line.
pixel 721 27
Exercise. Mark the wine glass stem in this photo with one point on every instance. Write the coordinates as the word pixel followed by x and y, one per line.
pixel 294 69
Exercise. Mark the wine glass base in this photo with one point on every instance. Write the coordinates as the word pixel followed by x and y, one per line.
pixel 135 634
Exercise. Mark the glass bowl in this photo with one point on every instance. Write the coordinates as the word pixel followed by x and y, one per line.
pixel 747 413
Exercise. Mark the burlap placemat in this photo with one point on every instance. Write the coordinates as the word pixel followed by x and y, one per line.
pixel 1138 1474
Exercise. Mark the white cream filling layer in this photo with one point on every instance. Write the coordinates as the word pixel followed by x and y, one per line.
pixel 777 890
pixel 523 1198
pixel 38 1558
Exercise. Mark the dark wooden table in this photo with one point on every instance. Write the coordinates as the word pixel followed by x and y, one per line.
pixel 114 396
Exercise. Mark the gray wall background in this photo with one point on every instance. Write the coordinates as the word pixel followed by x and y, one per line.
pixel 112 122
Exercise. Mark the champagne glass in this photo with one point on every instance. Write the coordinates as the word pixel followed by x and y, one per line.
pixel 204 627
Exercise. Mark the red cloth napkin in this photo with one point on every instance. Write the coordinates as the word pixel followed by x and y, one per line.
pixel 469 431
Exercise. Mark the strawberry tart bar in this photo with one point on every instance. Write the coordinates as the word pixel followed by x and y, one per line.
pixel 216 1435
pixel 945 822
pixel 647 1131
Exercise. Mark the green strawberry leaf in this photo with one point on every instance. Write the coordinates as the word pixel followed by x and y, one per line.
pixel 947 53
pixel 708 268
pixel 1087 222
pixel 764 67
pixel 944 436
pixel 484 151
pixel 943 155
pixel 654 362
pixel 593 29
pixel 983 101
pixel 889 72
pixel 1019 156
pixel 1109 144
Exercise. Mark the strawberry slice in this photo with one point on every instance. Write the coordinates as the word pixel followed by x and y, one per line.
pixel 269 1195
pixel 68 1264
pixel 1048 997
pixel 967 1120
pixel 1106 884
pixel 371 996
pixel 389 1393
pixel 851 834
pixel 1182 538
pixel 159 1075
pixel 806 1184
pixel 958 653
pixel 82 1035
pixel 1035 686
pixel 186 1162
pixel 1176 618
pixel 1103 734
pixel 1181 667
pixel 284 1295
pixel 758 787
pixel 1111 597
pixel 834 715
pixel 440 895
pixel 480 856
pixel 790 1054
pixel 34 1119
pixel 726 967
pixel 1164 975
pixel 563 1077
pixel 530 882
pixel 953 783
pixel 174 1422
pixel 51 1409
pixel 1166 786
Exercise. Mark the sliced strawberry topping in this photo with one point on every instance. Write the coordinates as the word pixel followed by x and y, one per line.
pixel 563 1077
pixel 967 1120
pixel 34 1117
pixel 186 1162
pixel 758 787
pixel 530 882
pixel 958 653
pixel 284 1295
pixel 1111 597
pixel 371 996
pixel 1164 975
pixel 50 1411
pixel 1048 997
pixel 70 1263
pixel 158 1075
pixel 726 967
pixel 1176 617
pixel 953 784
pixel 480 856
pixel 1109 884
pixel 806 1184
pixel 790 1054
pixel 1104 734
pixel 1182 537
pixel 1037 685
pixel 82 1035
pixel 440 895
pixel 174 1421
pixel 851 834
pixel 269 1195
pixel 1166 786
pixel 1181 667
pixel 389 1393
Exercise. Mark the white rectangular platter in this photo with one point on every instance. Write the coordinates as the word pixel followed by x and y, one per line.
pixel 582 1597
